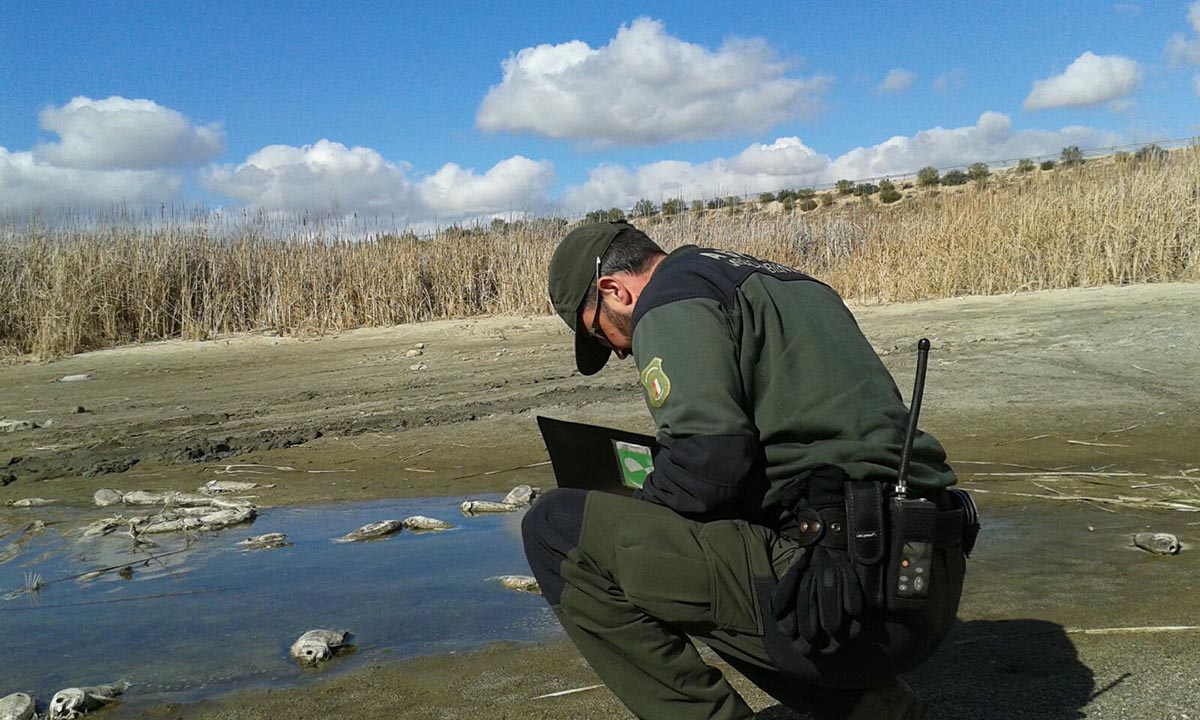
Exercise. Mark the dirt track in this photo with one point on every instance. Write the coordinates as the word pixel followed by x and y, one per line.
pixel 1096 380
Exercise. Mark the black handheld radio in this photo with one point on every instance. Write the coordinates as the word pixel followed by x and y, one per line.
pixel 913 520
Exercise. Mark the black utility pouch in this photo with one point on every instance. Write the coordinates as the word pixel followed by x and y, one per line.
pixel 867 537
pixel 910 562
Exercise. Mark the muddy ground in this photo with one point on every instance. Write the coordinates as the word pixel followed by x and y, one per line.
pixel 1097 385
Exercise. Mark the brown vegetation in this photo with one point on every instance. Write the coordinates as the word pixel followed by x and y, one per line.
pixel 85 286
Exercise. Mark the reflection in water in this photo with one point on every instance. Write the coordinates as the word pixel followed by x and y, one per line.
pixel 199 615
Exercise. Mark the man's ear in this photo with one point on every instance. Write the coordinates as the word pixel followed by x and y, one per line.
pixel 616 290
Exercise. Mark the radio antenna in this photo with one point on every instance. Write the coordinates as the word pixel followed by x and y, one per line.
pixel 914 412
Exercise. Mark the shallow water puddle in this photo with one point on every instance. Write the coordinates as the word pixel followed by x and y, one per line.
pixel 207 616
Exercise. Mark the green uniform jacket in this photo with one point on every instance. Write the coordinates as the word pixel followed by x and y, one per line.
pixel 754 373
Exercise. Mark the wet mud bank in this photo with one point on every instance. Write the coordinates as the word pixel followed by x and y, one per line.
pixel 1073 412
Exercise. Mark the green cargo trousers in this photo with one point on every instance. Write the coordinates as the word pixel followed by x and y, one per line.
pixel 630 581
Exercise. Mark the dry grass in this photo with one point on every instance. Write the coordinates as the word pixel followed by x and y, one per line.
pixel 89 285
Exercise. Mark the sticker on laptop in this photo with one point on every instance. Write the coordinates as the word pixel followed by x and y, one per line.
pixel 636 461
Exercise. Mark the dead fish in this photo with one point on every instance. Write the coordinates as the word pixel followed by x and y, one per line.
pixel 231 503
pixel 182 499
pixel 29 502
pixel 74 702
pixel 169 526
pixel 523 583
pixel 104 526
pixel 264 542
pixel 373 531
pixel 170 497
pixel 82 377
pixel 316 645
pixel 520 495
pixel 17 706
pixel 420 522
pixel 105 497
pixel 474 507
pixel 141 497
pixel 227 518
pixel 1158 543
pixel 217 487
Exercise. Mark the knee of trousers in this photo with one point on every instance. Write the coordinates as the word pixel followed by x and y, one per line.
pixel 550 531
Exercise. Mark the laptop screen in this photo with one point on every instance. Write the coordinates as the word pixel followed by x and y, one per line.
pixel 591 457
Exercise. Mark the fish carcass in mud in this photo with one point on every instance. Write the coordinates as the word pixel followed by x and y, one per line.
pixel 521 495
pixel 73 702
pixel 523 583
pixel 170 497
pixel 475 507
pixel 316 645
pixel 30 502
pixel 17 706
pixel 264 542
pixel 105 497
pixel 221 487
pixel 1158 543
pixel 373 531
pixel 421 523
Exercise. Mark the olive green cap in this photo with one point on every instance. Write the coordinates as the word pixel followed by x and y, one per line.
pixel 572 270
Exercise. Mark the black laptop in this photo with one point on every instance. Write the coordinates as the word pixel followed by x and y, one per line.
pixel 591 457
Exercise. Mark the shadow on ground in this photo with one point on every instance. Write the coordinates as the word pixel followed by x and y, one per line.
pixel 998 670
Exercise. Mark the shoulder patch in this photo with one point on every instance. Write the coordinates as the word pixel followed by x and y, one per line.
pixel 656 382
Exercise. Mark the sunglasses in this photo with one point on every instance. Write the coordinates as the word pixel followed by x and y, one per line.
pixel 595 330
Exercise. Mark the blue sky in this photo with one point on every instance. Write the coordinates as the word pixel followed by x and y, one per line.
pixel 460 110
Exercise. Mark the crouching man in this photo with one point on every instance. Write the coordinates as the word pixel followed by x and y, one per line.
pixel 763 528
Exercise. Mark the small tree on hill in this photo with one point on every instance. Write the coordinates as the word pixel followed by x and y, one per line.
pixel 1026 165
pixel 697 205
pixel 1150 154
pixel 827 199
pixel 927 177
pixel 888 192
pixel 865 189
pixel 978 172
pixel 767 197
pixel 955 177
pixel 844 187
pixel 807 205
pixel 674 206
pixel 1071 156
pixel 1047 165
pixel 644 208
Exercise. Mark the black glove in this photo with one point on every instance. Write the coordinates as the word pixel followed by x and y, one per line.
pixel 818 599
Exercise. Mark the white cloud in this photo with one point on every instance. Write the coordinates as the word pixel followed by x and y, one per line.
pixel 29 184
pixel 786 162
pixel 789 163
pixel 990 138
pixel 328 175
pixel 951 80
pixel 324 175
pixel 1130 9
pixel 1090 80
pixel 1180 49
pixel 646 86
pixel 897 81
pixel 516 184
pixel 119 133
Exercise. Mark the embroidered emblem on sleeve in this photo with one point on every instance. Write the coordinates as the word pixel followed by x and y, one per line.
pixel 656 382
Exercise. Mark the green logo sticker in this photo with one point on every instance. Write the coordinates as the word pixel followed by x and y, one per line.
pixel 636 463
pixel 656 382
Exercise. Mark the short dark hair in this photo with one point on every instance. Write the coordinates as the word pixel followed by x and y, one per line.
pixel 631 252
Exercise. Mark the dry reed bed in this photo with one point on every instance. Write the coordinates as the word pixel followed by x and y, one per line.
pixel 88 286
